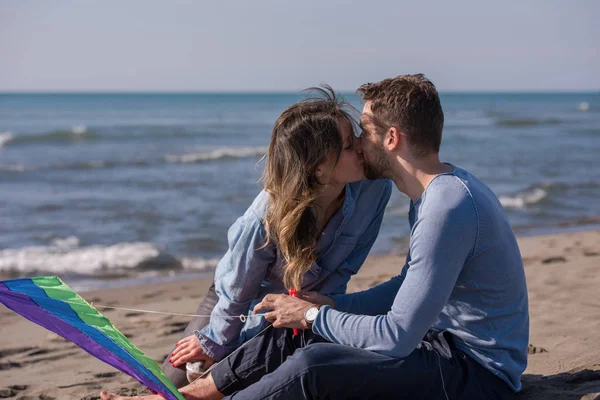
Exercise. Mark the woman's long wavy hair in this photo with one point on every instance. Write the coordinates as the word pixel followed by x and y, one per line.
pixel 305 136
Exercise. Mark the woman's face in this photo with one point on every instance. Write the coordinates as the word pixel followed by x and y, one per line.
pixel 349 167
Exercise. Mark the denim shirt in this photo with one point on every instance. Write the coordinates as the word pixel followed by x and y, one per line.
pixel 463 274
pixel 249 271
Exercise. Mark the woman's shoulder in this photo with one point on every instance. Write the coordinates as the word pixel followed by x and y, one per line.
pixel 258 208
pixel 251 222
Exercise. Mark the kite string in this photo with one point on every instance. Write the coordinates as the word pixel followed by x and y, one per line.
pixel 242 317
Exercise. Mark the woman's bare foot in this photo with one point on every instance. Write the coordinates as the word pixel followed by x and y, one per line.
pixel 200 389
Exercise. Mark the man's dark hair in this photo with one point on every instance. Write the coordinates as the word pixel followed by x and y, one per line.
pixel 410 103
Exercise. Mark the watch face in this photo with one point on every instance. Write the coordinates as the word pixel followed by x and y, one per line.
pixel 311 314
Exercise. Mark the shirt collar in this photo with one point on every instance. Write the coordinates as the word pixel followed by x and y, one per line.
pixel 349 201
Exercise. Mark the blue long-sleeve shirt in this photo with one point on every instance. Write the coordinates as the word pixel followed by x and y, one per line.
pixel 463 274
pixel 249 271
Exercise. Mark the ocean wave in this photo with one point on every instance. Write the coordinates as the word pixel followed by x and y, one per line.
pixel 468 119
pixel 65 256
pixel 13 168
pixel 216 154
pixel 192 158
pixel 5 137
pixel 77 133
pixel 522 199
pixel 583 106
pixel 542 191
pixel 81 165
pixel 526 122
pixel 81 133
pixel 99 164
pixel 88 165
pixel 199 264
pixel 468 124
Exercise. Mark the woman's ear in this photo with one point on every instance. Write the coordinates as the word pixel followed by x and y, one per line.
pixel 319 172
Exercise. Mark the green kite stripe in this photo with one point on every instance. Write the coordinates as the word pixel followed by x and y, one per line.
pixel 56 289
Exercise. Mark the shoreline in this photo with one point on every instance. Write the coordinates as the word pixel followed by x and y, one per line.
pixel 90 283
pixel 399 250
pixel 564 359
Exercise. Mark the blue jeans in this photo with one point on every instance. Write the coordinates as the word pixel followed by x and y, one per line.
pixel 260 357
pixel 435 370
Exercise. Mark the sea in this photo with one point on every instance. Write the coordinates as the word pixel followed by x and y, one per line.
pixel 115 189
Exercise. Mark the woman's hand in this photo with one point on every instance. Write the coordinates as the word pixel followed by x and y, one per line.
pixel 189 349
pixel 317 298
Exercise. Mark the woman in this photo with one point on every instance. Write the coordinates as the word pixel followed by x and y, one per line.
pixel 310 229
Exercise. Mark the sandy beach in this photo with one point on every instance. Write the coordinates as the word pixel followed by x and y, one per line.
pixel 564 361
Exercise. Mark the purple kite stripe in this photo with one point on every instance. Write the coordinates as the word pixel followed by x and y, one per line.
pixel 66 313
pixel 23 305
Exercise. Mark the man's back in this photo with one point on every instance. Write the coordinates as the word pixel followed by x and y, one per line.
pixel 488 309
pixel 463 274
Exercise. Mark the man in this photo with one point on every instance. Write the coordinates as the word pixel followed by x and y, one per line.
pixel 454 323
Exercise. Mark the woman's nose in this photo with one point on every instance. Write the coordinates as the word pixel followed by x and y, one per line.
pixel 358 145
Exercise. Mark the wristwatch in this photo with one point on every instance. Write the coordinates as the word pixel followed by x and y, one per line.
pixel 311 314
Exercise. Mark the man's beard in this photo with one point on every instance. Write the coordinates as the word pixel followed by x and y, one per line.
pixel 378 166
pixel 371 173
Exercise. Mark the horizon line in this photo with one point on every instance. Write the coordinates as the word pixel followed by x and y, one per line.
pixel 283 92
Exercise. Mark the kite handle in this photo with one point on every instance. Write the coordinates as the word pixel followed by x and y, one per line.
pixel 293 293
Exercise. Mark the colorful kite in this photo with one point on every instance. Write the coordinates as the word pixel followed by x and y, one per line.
pixel 49 302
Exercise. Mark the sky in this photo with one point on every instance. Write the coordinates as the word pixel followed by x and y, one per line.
pixel 276 45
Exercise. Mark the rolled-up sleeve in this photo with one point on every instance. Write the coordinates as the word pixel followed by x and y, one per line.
pixel 238 280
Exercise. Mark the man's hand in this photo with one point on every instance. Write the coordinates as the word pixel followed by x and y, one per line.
pixel 317 298
pixel 285 311
pixel 189 349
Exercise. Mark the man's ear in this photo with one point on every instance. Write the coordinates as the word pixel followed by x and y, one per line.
pixel 393 139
